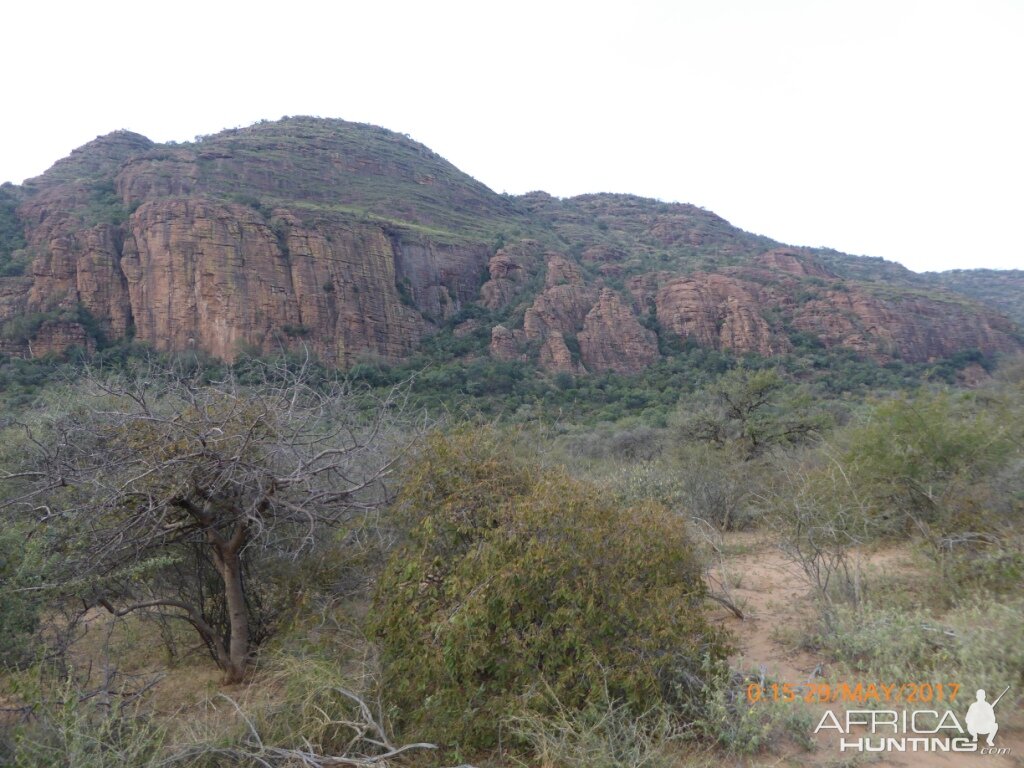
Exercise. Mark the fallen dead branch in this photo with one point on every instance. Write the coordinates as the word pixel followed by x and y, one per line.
pixel 370 744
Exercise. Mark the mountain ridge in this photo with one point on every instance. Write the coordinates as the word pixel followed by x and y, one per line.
pixel 358 243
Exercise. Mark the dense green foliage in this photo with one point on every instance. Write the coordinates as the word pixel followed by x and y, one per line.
pixel 13 258
pixel 919 460
pixel 516 582
pixel 452 375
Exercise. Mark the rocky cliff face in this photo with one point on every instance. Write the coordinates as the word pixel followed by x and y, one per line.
pixel 356 242
pixel 220 278
pixel 717 311
pixel 904 327
pixel 187 259
pixel 612 338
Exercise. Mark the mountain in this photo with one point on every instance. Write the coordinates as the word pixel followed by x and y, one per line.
pixel 359 243
pixel 1001 289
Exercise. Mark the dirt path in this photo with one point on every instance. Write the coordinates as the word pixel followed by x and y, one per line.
pixel 776 602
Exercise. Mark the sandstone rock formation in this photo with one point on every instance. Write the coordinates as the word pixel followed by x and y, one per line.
pixel 353 241
pixel 504 345
pixel 612 338
pixel 916 329
pixel 188 268
pixel 509 270
pixel 556 357
pixel 563 303
pixel 793 261
pixel 717 311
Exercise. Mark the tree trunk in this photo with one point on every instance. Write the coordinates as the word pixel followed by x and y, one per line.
pixel 229 564
pixel 238 650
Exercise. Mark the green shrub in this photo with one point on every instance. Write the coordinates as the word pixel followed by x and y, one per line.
pixel 741 727
pixel 823 522
pixel 917 460
pixel 970 563
pixel 978 644
pixel 645 481
pixel 885 642
pixel 71 729
pixel 516 579
pixel 717 485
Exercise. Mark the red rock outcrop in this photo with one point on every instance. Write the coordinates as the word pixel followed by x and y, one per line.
pixel 906 327
pixel 206 261
pixel 717 311
pixel 555 355
pixel 563 304
pixel 504 345
pixel 82 268
pixel 355 241
pixel 190 272
pixel 218 277
pixel 794 262
pixel 509 270
pixel 612 338
pixel 206 275
pixel 13 291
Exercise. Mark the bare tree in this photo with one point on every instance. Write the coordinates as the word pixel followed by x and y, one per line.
pixel 823 523
pixel 716 484
pixel 140 465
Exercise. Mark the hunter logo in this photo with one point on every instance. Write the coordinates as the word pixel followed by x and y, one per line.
pixel 981 717
pixel 917 730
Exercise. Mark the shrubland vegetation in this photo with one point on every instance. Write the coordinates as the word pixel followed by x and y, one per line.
pixel 456 559
pixel 534 578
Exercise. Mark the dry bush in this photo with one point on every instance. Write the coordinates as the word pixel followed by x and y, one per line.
pixel 717 485
pixel 605 734
pixel 822 521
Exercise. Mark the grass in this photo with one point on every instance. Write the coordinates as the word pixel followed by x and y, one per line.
pixel 740 727
pixel 606 736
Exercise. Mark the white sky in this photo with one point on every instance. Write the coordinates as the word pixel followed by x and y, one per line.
pixel 888 128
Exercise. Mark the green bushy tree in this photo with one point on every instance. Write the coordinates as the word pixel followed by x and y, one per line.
pixel 516 580
pixel 925 460
pixel 751 411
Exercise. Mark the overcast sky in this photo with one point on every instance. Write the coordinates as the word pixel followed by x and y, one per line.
pixel 885 128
